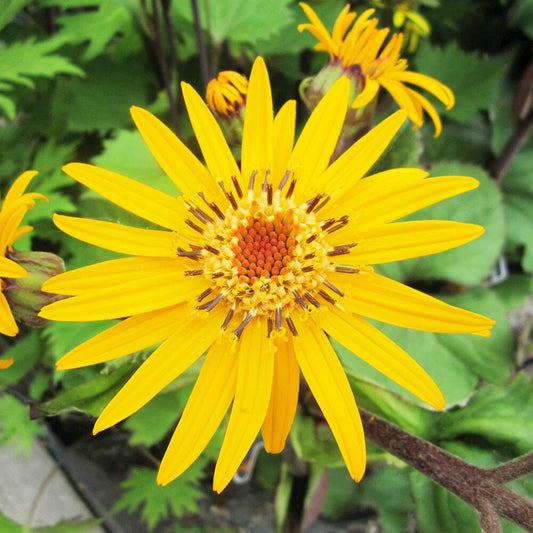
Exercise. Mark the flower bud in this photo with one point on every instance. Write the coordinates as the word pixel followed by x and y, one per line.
pixel 24 295
pixel 226 97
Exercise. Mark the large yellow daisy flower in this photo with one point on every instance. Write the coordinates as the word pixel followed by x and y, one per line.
pixel 257 265
pixel 14 207
pixel 380 66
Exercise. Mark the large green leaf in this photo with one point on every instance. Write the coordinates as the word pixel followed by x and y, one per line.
pixel 9 9
pixel 456 362
pixel 471 263
pixel 518 198
pixel 472 78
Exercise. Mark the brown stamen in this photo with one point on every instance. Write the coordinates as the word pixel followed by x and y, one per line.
pixel 292 327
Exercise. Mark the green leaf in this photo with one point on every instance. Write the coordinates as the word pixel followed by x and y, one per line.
pixel 90 397
pixel 514 290
pixel 157 502
pixel 155 419
pixel 101 101
pixel 521 16
pixel 472 78
pixel 501 414
pixel 67 526
pixel 456 362
pixel 234 19
pixel 98 25
pixel 471 263
pixel 16 428
pixel 518 197
pixel 25 353
pixel 22 61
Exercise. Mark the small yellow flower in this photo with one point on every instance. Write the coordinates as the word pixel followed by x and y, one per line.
pixel 413 23
pixel 15 205
pixel 363 46
pixel 256 265
pixel 226 94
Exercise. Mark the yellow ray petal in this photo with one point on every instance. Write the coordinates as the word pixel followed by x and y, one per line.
pixel 215 149
pixel 5 363
pixel 10 221
pixel 435 87
pixel 367 94
pixel 317 141
pixel 119 237
pixel 378 297
pixel 257 136
pixel 403 240
pixel 127 299
pixel 284 398
pixel 130 335
pixel 427 106
pixel 357 160
pixel 204 412
pixel 400 95
pixel 326 378
pixel 403 197
pixel 8 326
pixel 22 230
pixel 255 361
pixel 108 273
pixel 284 123
pixel 19 186
pixel 178 162
pixel 192 337
pixel 376 349
pixel 10 269
pixel 318 29
pixel 135 197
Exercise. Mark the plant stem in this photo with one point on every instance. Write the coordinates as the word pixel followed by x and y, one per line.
pixel 200 42
pixel 479 487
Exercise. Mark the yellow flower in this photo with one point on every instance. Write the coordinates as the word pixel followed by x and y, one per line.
pixel 14 207
pixel 226 94
pixel 414 24
pixel 256 265
pixel 381 66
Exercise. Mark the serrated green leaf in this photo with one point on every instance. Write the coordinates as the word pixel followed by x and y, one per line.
pixel 90 397
pixel 16 428
pixel 471 263
pixel 518 198
pixel 157 502
pixel 501 414
pixel 234 19
pixel 9 9
pixel 97 25
pixel 67 526
pixel 472 78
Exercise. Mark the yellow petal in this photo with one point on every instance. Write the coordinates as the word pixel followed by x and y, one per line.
pixel 8 326
pixel 257 136
pixel 435 87
pixel 284 123
pixel 130 335
pixel 19 186
pixel 319 137
pixel 108 273
pixel 215 149
pixel 178 162
pixel 403 240
pixel 119 237
pixel 135 197
pixel 399 93
pixel 191 339
pixel 380 298
pixel 284 398
pixel 367 94
pixel 204 412
pixel 11 269
pixel 353 164
pixel 403 196
pixel 255 361
pixel 325 376
pixel 128 298
pixel 373 347
pixel 318 29
pixel 5 363
pixel 429 109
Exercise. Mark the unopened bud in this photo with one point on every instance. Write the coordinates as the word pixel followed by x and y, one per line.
pixel 24 295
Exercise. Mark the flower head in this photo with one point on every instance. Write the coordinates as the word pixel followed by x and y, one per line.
pixel 256 265
pixel 15 205
pixel 226 94
pixel 380 64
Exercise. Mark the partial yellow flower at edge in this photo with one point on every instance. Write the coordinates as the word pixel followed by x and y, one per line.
pixel 15 205
pixel 256 265
pixel 363 47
